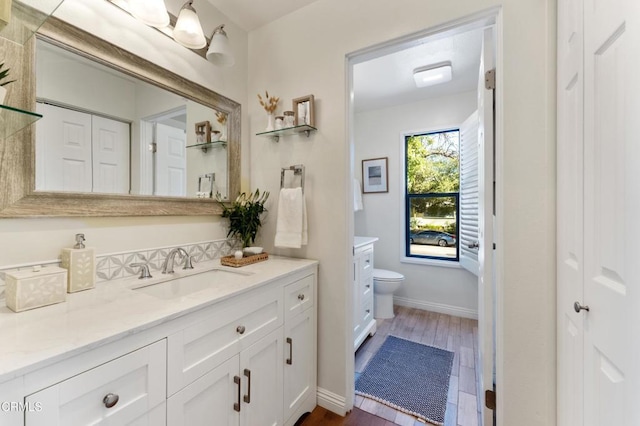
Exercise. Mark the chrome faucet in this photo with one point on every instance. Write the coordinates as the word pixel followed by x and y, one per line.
pixel 167 265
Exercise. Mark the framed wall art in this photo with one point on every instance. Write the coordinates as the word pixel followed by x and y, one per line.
pixel 304 112
pixel 375 175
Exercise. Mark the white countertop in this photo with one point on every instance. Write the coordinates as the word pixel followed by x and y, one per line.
pixel 88 319
pixel 363 241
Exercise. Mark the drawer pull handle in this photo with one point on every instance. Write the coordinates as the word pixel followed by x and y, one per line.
pixel 240 329
pixel 290 359
pixel 247 397
pixel 368 311
pixel 110 400
pixel 236 405
pixel 301 297
pixel 368 285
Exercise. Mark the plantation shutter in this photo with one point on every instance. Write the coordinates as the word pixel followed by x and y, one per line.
pixel 469 193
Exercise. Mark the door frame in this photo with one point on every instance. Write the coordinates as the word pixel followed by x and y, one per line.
pixel 492 16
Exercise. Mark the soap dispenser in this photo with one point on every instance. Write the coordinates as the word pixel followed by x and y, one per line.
pixel 80 261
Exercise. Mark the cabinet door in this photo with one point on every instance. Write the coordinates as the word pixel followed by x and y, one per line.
pixel 209 400
pixel 134 384
pixel 229 329
pixel 261 368
pixel 299 363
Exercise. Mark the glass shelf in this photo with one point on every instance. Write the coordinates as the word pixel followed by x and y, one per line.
pixel 14 119
pixel 26 17
pixel 205 146
pixel 287 131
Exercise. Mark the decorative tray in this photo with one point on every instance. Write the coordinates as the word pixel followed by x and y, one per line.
pixel 246 260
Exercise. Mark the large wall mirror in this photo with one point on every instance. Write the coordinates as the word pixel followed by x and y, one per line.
pixel 121 136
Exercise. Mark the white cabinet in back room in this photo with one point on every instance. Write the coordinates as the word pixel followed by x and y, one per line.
pixel 364 323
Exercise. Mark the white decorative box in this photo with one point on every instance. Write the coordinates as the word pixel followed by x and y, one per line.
pixel 81 264
pixel 30 289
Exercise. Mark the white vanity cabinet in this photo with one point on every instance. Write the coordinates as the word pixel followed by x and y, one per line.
pixel 242 342
pixel 364 323
pixel 244 390
pixel 252 363
pixel 130 390
pixel 245 359
pixel 300 347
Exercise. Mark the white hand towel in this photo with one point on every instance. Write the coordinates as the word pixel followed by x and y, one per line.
pixel 357 196
pixel 291 225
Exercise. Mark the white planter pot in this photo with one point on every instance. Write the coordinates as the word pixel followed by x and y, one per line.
pixel 3 93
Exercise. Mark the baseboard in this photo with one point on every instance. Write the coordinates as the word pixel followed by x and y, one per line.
pixel 436 307
pixel 331 401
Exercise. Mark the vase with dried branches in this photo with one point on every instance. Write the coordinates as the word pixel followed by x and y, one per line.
pixel 269 103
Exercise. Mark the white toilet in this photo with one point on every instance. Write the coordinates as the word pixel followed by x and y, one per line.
pixel 385 283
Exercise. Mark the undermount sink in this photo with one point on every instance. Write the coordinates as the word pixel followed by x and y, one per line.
pixel 175 286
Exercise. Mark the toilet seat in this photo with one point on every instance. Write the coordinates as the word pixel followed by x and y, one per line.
pixel 385 275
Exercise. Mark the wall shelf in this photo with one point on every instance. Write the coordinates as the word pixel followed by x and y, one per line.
pixel 296 130
pixel 14 119
pixel 26 17
pixel 206 145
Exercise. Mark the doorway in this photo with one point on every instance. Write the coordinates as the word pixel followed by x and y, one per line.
pixel 439 37
pixel 163 168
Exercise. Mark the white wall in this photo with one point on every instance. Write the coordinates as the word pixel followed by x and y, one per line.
pixel 304 53
pixel 31 240
pixel 378 134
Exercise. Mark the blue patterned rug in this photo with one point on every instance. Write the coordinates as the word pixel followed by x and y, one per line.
pixel 410 377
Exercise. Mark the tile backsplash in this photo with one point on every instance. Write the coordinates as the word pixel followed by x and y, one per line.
pixel 115 266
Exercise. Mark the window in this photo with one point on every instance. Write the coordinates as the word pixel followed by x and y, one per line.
pixel 432 195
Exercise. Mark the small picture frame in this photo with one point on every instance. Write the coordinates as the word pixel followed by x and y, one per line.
pixel 205 185
pixel 304 111
pixel 203 132
pixel 375 175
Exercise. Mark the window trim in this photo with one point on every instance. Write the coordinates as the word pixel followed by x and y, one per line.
pixel 404 200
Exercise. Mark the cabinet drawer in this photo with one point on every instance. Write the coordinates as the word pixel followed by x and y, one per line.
pixel 232 326
pixel 366 262
pixel 298 296
pixel 136 381
pixel 367 311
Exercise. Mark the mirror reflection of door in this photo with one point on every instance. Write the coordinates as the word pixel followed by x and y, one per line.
pixel 164 171
pixel 80 151
pixel 171 161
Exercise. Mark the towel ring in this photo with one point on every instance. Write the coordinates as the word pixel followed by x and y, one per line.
pixel 298 170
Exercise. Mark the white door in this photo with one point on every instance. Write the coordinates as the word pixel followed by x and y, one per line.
pixel 611 212
pixel 477 213
pixel 486 308
pixel 171 161
pixel 570 201
pixel 63 147
pixel 599 204
pixel 211 399
pixel 299 372
pixel 111 148
pixel 261 369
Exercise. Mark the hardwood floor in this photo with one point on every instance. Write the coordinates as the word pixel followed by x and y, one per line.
pixel 459 335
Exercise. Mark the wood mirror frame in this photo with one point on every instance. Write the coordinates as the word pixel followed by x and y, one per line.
pixel 18 197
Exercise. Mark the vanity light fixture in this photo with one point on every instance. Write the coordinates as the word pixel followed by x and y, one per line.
pixel 432 74
pixel 219 52
pixel 151 12
pixel 188 31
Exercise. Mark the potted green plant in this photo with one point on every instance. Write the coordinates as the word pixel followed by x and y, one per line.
pixel 4 80
pixel 244 215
